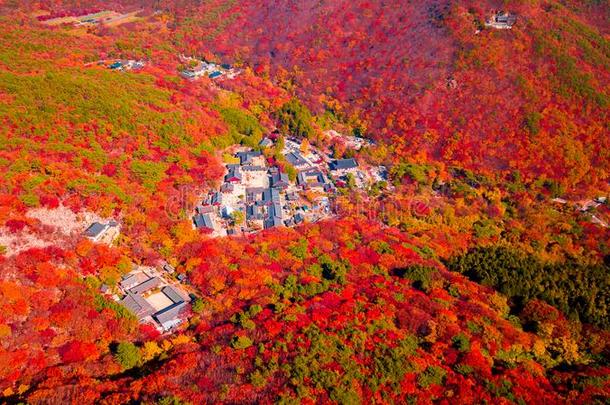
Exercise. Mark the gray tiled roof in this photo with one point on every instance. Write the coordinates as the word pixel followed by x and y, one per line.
pixel 95 229
pixel 342 164
pixel 295 159
pixel 304 178
pixel 169 313
pixel 203 221
pixel 137 305
pixel 279 179
pixel 174 294
pixel 131 280
pixel 146 286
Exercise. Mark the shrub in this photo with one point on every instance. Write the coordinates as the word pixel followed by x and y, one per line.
pixel 532 122
pixel 149 173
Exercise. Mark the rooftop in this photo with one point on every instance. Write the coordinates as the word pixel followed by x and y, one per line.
pixel 95 229
pixel 343 164
pixel 170 313
pixel 279 180
pixel 295 159
pixel 146 285
pixel 246 157
pixel 174 294
pixel 131 280
pixel 203 221
pixel 138 305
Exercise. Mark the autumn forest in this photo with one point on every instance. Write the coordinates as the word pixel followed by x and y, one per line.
pixel 342 202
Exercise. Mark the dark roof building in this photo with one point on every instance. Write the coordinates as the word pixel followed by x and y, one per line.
pixel 311 178
pixel 273 222
pixel 265 143
pixel 274 216
pixel 254 194
pixel 254 212
pixel 234 175
pixel 271 196
pixel 343 164
pixel 131 280
pixel 216 198
pixel 204 209
pixel 330 188
pixel 203 221
pixel 95 229
pixel 253 168
pixel 169 317
pixel 505 18
pixel 146 286
pixel 245 158
pixel 175 294
pixel 299 218
pixel 501 20
pixel 227 188
pixel 137 305
pixel 295 159
pixel 279 180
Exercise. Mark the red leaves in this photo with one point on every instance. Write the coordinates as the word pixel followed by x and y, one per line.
pixel 77 351
pixel 49 201
pixel 149 332
pixel 109 170
pixel 475 359
pixel 272 327
pixel 15 225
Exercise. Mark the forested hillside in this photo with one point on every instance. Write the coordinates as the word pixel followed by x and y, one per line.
pixel 474 270
pixel 431 80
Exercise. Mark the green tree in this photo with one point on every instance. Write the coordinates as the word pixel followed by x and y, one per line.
pixel 197 306
pixel 242 123
pixel 241 342
pixel 238 217
pixel 431 375
pixel 295 118
pixel 127 355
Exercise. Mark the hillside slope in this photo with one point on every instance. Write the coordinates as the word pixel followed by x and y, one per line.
pixel 349 313
pixel 432 81
pixel 349 310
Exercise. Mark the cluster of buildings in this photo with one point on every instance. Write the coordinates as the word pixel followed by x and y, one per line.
pixel 153 295
pixel 501 20
pixel 154 298
pixel 198 68
pixel 256 196
pixel 126 64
